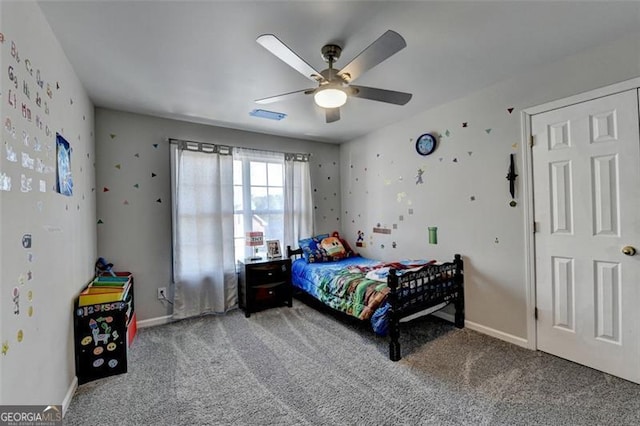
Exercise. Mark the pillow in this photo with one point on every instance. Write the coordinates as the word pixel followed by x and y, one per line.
pixel 347 248
pixel 333 247
pixel 311 249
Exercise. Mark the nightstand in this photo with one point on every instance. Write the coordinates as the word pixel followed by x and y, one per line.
pixel 264 284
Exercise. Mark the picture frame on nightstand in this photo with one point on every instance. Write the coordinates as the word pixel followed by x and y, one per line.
pixel 273 249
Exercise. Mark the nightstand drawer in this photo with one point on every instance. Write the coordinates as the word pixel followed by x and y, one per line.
pixel 268 273
pixel 270 293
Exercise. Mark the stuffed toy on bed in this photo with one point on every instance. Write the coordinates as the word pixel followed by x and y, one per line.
pixel 333 247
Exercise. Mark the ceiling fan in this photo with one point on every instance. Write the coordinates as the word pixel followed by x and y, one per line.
pixel 334 86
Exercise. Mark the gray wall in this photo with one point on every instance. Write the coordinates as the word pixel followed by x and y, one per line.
pixel 465 193
pixel 134 222
pixel 40 369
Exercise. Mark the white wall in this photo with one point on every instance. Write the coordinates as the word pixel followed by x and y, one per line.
pixel 40 368
pixel 136 235
pixel 465 191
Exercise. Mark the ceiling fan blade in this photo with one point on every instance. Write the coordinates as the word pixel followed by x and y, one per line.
pixel 288 56
pixel 284 96
pixel 385 46
pixel 333 114
pixel 380 95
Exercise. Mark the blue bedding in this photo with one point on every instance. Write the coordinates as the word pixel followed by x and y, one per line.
pixel 354 285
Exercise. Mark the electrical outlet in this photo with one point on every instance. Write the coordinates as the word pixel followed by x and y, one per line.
pixel 162 293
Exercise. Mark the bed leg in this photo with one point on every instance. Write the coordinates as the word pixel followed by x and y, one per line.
pixel 394 324
pixel 459 315
pixel 394 342
pixel 459 302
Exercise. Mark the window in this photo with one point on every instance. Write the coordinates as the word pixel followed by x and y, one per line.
pixel 258 198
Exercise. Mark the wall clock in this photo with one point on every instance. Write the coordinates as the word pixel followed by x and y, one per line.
pixel 426 144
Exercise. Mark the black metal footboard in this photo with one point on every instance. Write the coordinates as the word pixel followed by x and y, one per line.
pixel 416 291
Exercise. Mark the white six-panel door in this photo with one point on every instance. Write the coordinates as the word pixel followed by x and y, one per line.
pixel 586 174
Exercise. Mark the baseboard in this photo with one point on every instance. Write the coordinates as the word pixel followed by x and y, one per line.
pixel 152 322
pixel 519 341
pixel 69 395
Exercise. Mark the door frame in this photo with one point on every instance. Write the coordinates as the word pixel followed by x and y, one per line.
pixel 527 188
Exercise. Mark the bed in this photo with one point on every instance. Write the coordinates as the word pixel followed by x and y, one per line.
pixel 381 292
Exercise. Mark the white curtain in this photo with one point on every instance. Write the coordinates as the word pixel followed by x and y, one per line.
pixel 298 202
pixel 203 253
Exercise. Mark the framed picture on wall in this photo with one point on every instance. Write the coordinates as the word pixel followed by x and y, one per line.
pixel 273 249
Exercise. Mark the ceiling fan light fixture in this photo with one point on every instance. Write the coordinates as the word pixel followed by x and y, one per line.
pixel 330 97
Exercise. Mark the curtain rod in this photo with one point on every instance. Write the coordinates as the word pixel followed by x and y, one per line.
pixel 213 148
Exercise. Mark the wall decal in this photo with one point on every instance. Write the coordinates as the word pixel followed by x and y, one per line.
pixel 510 110
pixel 136 185
pixel 126 203
pixel 105 189
pixel 469 152
pixel 155 145
pixel 26 240
pixel 25 183
pixel 487 130
pixel 401 218
pixel 1 38
pixel 5 347
pixel 433 234
pixel 394 226
pixel 27 161
pixel 100 222
pixel 16 300
pixel 11 154
pixel 380 230
pixel 394 245
pixel 159 200
pixel 455 160
pixel 472 198
pixel 153 175
pixel 118 166
pixel 410 211
pixel 20 335
pixel 112 135
pixel 400 196
pixel 465 124
pixel 447 133
pixel 14 52
pixel 419 177
pixel 137 155
pixel 5 182
pixel 360 239
pixel 497 241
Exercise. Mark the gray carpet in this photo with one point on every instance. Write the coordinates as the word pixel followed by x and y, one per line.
pixel 299 366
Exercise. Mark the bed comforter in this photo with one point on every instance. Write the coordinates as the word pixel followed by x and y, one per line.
pixel 356 285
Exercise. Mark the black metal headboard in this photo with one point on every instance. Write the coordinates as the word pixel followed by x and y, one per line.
pixel 291 253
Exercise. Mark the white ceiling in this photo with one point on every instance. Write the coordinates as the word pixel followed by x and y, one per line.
pixel 199 61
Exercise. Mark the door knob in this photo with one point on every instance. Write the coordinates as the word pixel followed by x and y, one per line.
pixel 629 250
